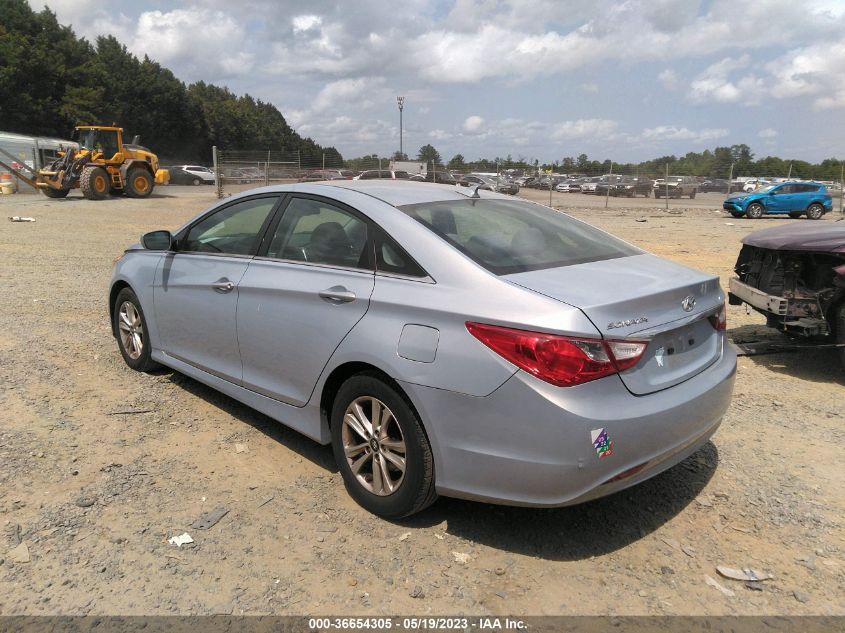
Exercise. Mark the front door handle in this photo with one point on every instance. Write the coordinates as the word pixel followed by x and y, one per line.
pixel 337 294
pixel 223 286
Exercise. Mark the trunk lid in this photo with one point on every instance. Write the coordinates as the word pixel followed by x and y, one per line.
pixel 642 297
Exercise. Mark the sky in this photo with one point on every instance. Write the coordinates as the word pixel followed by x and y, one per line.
pixel 627 80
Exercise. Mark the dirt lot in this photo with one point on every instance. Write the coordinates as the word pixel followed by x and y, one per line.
pixel 95 492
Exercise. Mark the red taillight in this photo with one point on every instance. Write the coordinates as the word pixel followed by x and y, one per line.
pixel 560 360
pixel 720 319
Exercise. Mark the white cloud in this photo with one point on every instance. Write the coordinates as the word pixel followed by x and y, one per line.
pixel 589 88
pixel 669 78
pixel 714 84
pixel 305 22
pixel 473 125
pixel 814 71
pixel 584 128
pixel 360 91
pixel 439 135
pixel 767 133
pixel 673 133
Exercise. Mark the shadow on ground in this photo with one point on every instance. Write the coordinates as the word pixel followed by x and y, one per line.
pixel 798 358
pixel 307 448
pixel 578 532
pixel 571 533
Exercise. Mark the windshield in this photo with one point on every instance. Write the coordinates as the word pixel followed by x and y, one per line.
pixel 766 189
pixel 511 236
pixel 100 140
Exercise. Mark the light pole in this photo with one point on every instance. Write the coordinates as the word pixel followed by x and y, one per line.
pixel 401 102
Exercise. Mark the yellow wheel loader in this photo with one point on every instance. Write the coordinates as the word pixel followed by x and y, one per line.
pixel 102 166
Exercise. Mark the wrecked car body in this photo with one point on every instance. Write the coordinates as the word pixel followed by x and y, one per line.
pixel 795 276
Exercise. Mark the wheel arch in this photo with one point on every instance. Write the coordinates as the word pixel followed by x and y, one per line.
pixel 344 371
pixel 125 167
pixel 117 286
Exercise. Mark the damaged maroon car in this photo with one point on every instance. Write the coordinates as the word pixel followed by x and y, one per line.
pixel 795 276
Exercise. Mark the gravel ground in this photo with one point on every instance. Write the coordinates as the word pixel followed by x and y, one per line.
pixel 100 466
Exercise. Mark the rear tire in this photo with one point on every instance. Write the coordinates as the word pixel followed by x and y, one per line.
pixel 139 183
pixel 367 397
pixel 95 183
pixel 195 182
pixel 815 211
pixel 755 211
pixel 56 193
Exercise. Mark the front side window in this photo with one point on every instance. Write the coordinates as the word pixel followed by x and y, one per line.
pixel 233 230
pixel 511 236
pixel 319 232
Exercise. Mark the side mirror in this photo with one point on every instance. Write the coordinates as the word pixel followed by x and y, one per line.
pixel 157 240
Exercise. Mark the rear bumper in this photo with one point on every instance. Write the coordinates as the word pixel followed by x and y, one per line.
pixel 530 443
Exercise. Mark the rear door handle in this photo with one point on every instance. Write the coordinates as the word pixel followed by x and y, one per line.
pixel 223 286
pixel 337 294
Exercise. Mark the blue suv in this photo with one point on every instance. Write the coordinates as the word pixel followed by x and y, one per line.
pixel 794 198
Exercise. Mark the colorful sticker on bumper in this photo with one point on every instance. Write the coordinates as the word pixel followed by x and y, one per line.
pixel 602 443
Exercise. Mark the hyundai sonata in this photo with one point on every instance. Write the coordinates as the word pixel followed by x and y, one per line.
pixel 444 340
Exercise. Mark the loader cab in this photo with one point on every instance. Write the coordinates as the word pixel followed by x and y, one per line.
pixel 105 140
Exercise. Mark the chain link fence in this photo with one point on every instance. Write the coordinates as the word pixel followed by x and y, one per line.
pixel 238 170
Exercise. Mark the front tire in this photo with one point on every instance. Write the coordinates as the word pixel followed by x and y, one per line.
pixel 133 339
pixel 736 214
pixel 95 183
pixel 755 211
pixel 381 449
pixel 815 211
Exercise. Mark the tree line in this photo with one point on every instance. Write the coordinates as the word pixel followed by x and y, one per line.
pixel 721 162
pixel 51 80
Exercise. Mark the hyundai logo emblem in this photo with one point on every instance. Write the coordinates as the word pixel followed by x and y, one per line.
pixel 688 303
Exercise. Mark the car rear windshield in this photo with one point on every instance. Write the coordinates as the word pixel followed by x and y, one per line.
pixel 512 236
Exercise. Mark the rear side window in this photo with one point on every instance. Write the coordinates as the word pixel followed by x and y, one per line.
pixel 392 258
pixel 510 236
pixel 318 232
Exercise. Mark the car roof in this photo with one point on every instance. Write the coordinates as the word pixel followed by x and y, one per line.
pixel 399 192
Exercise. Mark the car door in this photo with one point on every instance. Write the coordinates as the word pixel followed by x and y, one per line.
pixel 195 292
pixel 301 296
pixel 781 199
pixel 803 196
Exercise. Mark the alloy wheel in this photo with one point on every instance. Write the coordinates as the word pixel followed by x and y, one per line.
pixel 374 445
pixel 131 330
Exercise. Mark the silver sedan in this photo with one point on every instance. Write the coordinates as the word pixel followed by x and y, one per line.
pixel 444 340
